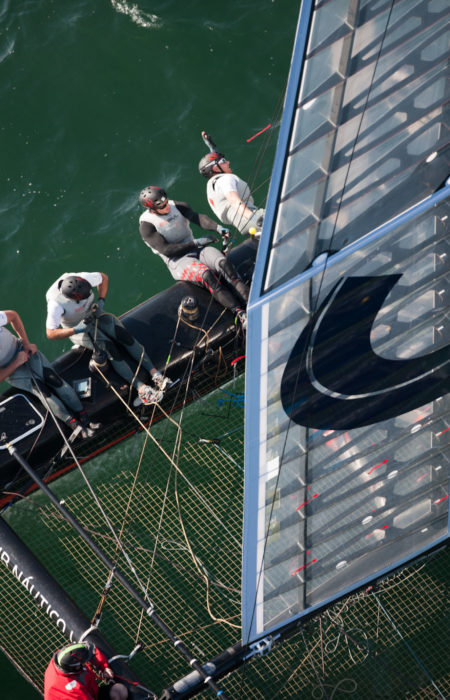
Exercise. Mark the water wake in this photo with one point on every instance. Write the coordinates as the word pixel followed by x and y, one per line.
pixel 143 19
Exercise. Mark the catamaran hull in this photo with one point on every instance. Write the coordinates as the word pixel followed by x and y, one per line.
pixel 178 348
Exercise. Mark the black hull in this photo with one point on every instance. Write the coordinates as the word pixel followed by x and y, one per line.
pixel 154 324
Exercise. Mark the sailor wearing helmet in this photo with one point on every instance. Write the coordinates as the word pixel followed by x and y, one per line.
pixel 228 195
pixel 70 674
pixel 165 228
pixel 72 313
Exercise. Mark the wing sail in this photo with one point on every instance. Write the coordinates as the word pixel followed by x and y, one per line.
pixel 347 406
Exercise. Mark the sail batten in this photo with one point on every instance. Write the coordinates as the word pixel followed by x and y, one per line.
pixel 347 405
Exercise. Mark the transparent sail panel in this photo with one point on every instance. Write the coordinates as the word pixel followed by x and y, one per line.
pixel 369 131
pixel 348 419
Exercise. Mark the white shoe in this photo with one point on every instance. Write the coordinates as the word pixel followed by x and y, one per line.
pixel 90 429
pixel 161 382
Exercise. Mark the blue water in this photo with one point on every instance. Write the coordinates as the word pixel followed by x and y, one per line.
pixel 100 98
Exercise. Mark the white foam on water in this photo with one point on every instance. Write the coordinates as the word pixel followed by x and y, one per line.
pixel 143 19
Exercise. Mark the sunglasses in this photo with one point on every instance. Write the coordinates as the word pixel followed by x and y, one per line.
pixel 161 203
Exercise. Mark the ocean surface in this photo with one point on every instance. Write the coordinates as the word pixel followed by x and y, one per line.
pixel 102 97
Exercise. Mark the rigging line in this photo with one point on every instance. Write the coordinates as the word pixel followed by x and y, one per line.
pixel 44 510
pixel 256 188
pixel 191 364
pixel 209 628
pixel 186 538
pixel 254 172
pixel 265 142
pixel 321 648
pixel 400 582
pixel 148 606
pixel 109 582
pixel 166 546
pixel 221 313
pixel 332 645
pixel 415 657
pixel 141 618
pixel 146 437
pixel 178 439
pixel 174 546
pixel 147 434
pixel 195 328
pixel 199 569
pixel 175 455
pixel 175 451
pixel 172 345
pixel 218 374
pixel 89 485
pixel 159 446
pixel 95 621
pixel 322 686
pixel 298 665
pixel 133 487
pixel 30 451
pixel 355 140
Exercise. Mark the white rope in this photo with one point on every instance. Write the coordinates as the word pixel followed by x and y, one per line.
pixel 95 497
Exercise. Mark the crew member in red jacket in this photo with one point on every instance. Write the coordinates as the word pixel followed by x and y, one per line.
pixel 70 675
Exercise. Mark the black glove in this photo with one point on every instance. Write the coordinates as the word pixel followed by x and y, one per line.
pixel 206 240
pixel 224 232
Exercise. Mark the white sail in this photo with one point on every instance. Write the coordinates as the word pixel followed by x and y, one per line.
pixel 347 406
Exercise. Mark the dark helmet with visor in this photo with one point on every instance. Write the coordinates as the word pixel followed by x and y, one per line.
pixel 207 163
pixel 153 198
pixel 72 657
pixel 76 288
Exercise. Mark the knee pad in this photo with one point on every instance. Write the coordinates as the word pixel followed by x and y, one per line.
pixel 210 281
pixel 228 268
pixel 112 350
pixel 51 378
pixel 43 388
pixel 123 336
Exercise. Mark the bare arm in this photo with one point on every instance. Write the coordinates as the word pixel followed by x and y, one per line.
pixel 59 333
pixel 19 359
pixel 102 288
pixel 234 199
pixel 17 324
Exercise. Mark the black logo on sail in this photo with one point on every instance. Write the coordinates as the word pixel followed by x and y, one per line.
pixel 334 380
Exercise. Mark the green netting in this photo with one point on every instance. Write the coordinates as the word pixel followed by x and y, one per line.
pixel 354 651
pixel 180 515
